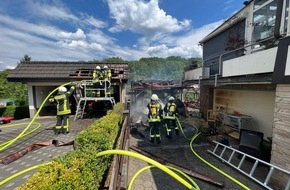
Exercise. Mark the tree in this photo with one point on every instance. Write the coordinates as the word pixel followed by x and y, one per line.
pixel 25 58
pixel 113 60
pixel 16 90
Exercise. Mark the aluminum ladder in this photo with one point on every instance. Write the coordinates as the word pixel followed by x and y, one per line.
pixel 226 154
pixel 80 108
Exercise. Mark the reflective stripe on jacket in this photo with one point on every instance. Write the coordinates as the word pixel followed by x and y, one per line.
pixel 62 100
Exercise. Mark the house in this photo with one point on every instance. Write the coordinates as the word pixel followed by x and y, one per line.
pixel 42 77
pixel 246 73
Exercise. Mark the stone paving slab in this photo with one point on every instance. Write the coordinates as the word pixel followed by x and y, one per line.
pixel 39 156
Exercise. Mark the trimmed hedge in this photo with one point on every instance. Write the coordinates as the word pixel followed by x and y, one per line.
pixel 18 112
pixel 81 169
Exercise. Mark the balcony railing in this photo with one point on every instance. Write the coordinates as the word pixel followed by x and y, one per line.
pixel 215 63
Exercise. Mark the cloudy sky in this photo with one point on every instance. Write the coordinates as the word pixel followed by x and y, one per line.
pixel 83 30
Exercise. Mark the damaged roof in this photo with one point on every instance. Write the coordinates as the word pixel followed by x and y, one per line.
pixel 33 71
pixel 155 84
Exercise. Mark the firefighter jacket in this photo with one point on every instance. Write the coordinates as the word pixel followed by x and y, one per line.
pixel 170 110
pixel 106 74
pixel 97 75
pixel 155 112
pixel 62 101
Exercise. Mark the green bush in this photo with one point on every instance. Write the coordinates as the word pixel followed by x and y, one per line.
pixel 81 169
pixel 18 112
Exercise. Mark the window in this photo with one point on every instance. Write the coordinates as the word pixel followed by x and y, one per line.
pixel 259 3
pixel 264 20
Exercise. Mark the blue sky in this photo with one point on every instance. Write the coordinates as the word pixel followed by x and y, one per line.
pixel 84 30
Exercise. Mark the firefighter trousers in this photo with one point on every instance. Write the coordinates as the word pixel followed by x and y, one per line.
pixel 62 122
pixel 155 131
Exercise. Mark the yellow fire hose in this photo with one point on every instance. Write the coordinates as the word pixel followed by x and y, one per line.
pixel 207 163
pixel 22 134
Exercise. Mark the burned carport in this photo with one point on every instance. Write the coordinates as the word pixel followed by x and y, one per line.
pixel 141 91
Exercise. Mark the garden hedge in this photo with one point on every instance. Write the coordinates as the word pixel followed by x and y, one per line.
pixel 81 169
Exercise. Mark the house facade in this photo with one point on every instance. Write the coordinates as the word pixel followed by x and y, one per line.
pixel 42 77
pixel 246 71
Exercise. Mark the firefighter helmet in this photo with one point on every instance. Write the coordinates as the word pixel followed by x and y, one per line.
pixel 98 67
pixel 62 89
pixel 154 97
pixel 105 67
pixel 171 98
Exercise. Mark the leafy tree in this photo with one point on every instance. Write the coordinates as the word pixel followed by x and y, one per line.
pixel 25 58
pixel 113 60
pixel 13 90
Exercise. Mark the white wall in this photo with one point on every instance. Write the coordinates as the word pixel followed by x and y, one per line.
pixel 258 104
pixel 258 62
pixel 193 74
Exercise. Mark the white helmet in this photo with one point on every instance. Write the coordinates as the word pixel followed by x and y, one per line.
pixel 105 67
pixel 62 89
pixel 98 67
pixel 154 97
pixel 171 98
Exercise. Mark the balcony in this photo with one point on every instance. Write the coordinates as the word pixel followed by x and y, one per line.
pixel 257 62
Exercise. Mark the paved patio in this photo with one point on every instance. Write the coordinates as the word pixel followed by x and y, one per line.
pixel 39 156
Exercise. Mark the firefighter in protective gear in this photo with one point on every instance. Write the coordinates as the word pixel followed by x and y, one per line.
pixel 106 74
pixel 155 117
pixel 170 113
pixel 97 77
pixel 63 109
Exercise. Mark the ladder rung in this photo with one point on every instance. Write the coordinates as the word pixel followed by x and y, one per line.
pixel 242 160
pixel 254 168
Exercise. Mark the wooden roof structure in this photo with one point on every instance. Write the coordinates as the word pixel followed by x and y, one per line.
pixel 45 71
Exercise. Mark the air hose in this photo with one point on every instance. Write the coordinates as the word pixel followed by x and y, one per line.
pixel 22 134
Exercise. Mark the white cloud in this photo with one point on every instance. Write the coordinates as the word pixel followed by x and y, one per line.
pixel 143 17
pixel 161 35
pixel 78 35
pixel 53 11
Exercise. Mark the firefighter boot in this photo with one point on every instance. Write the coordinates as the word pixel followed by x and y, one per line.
pixel 56 131
pixel 177 132
pixel 169 135
pixel 158 140
pixel 152 139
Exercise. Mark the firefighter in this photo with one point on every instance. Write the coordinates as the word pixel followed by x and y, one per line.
pixel 170 113
pixel 97 77
pixel 155 116
pixel 63 109
pixel 106 74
